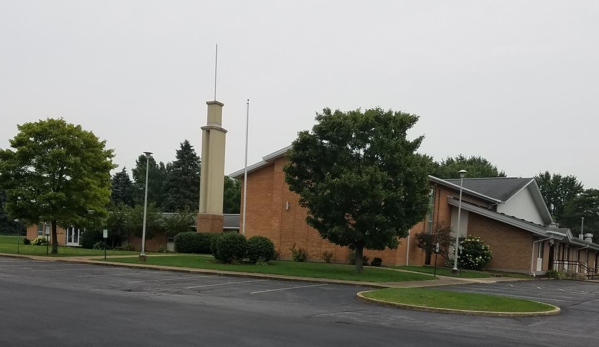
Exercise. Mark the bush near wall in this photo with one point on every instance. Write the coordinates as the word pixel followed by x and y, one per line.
pixel 474 254
pixel 89 238
pixel 193 242
pixel 260 248
pixel 229 248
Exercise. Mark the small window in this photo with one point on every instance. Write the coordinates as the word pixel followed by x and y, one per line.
pixel 40 230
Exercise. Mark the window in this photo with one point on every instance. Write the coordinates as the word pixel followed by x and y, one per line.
pixel 40 230
pixel 541 248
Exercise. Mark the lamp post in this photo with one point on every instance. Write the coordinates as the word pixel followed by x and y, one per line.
pixel 18 237
pixel 142 256
pixel 457 236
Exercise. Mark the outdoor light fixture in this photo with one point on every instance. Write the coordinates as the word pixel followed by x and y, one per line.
pixel 457 236
pixel 142 255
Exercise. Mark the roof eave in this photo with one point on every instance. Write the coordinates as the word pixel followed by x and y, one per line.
pixel 470 192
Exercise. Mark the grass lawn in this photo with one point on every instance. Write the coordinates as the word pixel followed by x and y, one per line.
pixel 443 271
pixel 454 300
pixel 288 268
pixel 8 244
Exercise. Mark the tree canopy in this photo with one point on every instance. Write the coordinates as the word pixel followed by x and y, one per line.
pixel 56 172
pixel 558 191
pixel 156 177
pixel 477 167
pixel 232 196
pixel 584 205
pixel 123 191
pixel 360 178
pixel 181 190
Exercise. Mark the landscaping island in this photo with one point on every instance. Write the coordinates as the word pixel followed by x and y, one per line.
pixel 432 300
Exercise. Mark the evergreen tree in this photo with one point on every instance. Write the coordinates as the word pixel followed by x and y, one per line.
pixel 182 185
pixel 156 176
pixel 122 189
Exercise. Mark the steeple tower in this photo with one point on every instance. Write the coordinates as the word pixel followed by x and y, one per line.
pixel 210 216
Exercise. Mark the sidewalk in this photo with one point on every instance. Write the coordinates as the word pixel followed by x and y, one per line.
pixel 440 281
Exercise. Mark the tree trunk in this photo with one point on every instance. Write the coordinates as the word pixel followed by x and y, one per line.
pixel 359 259
pixel 54 238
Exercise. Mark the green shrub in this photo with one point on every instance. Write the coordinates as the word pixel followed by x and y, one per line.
pixel 230 248
pixel 127 247
pixel 89 238
pixel 39 241
pixel 186 242
pixel 554 274
pixel 376 261
pixel 474 254
pixel 26 241
pixel 327 256
pixel 99 245
pixel 161 249
pixel 299 254
pixel 193 242
pixel 260 248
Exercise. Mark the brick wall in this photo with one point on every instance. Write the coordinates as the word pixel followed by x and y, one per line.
pixel 274 211
pixel 511 246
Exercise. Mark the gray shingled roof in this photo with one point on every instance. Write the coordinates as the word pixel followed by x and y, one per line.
pixel 231 221
pixel 500 188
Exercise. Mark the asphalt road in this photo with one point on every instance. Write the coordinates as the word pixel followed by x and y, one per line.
pixel 65 304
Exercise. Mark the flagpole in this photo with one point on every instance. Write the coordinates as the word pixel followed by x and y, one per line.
pixel 245 170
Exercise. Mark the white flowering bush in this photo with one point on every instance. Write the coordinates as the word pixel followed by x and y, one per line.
pixel 474 254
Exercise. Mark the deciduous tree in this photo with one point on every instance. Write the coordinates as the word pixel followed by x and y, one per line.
pixel 477 167
pixel 56 172
pixel 558 191
pixel 360 178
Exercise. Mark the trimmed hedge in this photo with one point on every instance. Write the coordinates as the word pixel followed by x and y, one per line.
pixel 229 247
pixel 193 242
pixel 260 248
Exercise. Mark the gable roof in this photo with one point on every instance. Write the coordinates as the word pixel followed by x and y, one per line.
pixel 500 188
pixel 561 234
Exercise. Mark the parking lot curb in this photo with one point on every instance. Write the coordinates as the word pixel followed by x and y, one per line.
pixel 553 312
pixel 229 273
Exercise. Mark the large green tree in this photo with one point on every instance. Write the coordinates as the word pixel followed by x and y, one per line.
pixel 584 205
pixel 56 172
pixel 360 178
pixel 558 191
pixel 156 175
pixel 477 167
pixel 123 191
pixel 181 189
pixel 232 196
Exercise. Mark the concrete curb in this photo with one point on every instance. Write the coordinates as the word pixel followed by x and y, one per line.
pixel 229 273
pixel 379 285
pixel 553 312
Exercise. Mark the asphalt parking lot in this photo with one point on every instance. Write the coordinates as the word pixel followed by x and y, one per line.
pixel 69 304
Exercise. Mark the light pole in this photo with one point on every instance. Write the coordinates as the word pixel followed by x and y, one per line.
pixel 142 256
pixel 18 238
pixel 457 235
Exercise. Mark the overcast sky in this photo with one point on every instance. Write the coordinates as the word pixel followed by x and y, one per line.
pixel 516 82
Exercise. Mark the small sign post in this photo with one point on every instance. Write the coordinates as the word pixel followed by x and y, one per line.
pixel 436 254
pixel 105 235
